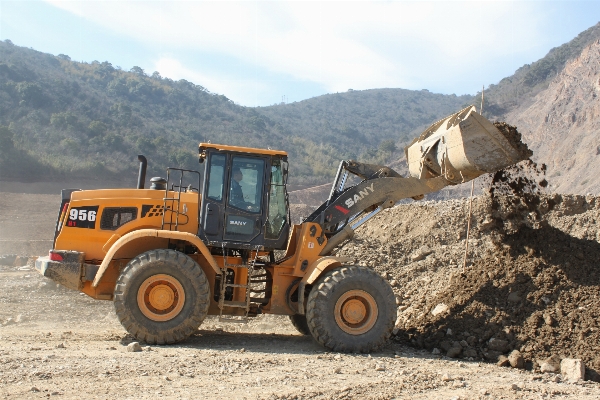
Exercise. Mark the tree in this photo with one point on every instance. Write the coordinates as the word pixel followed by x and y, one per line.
pixel 137 70
pixel 97 128
pixel 388 146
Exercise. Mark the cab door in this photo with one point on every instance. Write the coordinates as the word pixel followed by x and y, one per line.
pixel 213 201
pixel 244 206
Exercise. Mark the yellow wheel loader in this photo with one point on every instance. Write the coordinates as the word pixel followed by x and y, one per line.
pixel 171 254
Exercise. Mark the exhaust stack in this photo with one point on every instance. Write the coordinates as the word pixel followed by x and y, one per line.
pixel 142 173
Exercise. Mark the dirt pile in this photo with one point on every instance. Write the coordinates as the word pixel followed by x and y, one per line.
pixel 532 284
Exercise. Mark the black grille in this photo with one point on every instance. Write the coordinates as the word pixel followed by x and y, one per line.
pixel 114 217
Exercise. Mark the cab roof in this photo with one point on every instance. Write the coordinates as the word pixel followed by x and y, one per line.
pixel 223 147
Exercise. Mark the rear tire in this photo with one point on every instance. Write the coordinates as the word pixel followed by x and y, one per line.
pixel 162 297
pixel 351 309
pixel 300 323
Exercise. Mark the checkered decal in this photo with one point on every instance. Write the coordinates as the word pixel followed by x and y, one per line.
pixel 149 210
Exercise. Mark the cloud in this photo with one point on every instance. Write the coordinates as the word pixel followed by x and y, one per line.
pixel 242 91
pixel 338 45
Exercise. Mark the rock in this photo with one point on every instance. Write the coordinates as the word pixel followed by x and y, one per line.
pixel 514 297
pixel 421 254
pixel 498 345
pixel 547 368
pixel 572 369
pixel 552 365
pixel 470 353
pixel 548 319
pixel 516 359
pixel 503 361
pixel 454 352
pixel 134 347
pixel 446 378
pixel 464 344
pixel 34 389
pixel 61 346
pixel 445 345
pixel 555 379
pixel 435 351
pixel 483 392
pixel 19 319
pixel 449 332
pixel 515 387
pixel 337 370
pixel 380 367
pixel 393 283
pixel 472 340
pixel 439 309
pixel 9 321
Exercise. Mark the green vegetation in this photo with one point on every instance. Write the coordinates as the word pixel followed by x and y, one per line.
pixel 64 119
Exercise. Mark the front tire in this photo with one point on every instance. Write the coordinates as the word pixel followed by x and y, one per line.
pixel 351 309
pixel 162 297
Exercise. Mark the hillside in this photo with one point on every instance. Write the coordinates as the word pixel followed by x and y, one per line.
pixel 518 90
pixel 65 120
pixel 563 122
pixel 62 119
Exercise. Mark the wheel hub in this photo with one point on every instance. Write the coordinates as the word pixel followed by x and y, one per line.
pixel 356 312
pixel 161 297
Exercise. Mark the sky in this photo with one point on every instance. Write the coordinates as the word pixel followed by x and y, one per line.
pixel 263 53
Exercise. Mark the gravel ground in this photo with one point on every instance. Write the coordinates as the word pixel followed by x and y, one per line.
pixel 57 342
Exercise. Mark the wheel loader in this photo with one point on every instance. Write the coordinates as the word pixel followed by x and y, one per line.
pixel 224 244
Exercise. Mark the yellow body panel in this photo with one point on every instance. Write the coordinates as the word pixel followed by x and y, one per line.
pixel 113 249
pixel 96 242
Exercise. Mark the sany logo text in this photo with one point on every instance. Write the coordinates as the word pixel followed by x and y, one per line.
pixel 359 196
pixel 238 222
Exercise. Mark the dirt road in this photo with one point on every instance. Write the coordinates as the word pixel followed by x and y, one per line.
pixel 58 343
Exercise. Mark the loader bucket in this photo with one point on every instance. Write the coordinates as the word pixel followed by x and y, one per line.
pixel 462 147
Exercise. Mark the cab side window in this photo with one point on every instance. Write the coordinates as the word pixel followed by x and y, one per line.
pixel 115 217
pixel 216 177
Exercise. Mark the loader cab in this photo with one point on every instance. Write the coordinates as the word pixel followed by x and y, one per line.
pixel 244 201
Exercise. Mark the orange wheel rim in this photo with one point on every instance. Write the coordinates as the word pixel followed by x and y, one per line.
pixel 356 312
pixel 161 297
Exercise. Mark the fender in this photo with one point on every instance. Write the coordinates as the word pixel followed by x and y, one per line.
pixel 316 269
pixel 131 236
pixel 322 265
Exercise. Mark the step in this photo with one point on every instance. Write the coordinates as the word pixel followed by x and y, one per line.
pixel 258 290
pixel 235 285
pixel 261 281
pixel 238 304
